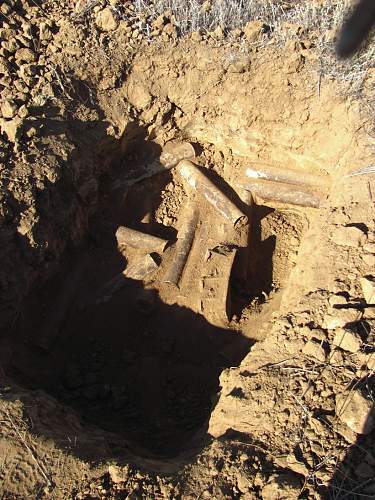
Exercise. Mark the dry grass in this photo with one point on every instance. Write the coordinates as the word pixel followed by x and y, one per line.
pixel 319 21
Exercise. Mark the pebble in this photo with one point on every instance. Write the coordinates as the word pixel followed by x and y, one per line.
pixel 159 22
pixel 12 128
pixel 369 259
pixel 4 66
pixel 369 247
pixel 368 289
pixel 370 361
pixel 315 350
pixel 338 318
pixel 196 36
pixel 281 486
pixel 106 20
pixel 335 300
pixel 8 109
pixel 23 111
pixel 355 411
pixel 25 55
pixel 347 340
pixel 116 474
pixel 252 30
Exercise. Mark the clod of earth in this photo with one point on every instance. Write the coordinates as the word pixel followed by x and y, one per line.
pixel 355 411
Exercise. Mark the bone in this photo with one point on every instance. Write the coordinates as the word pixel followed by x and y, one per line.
pixel 284 193
pixel 141 241
pixel 173 152
pixel 189 220
pixel 286 176
pixel 199 182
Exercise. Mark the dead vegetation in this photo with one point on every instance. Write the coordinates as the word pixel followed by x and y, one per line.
pixel 282 21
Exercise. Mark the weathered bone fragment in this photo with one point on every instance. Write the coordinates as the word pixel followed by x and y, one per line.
pixel 198 181
pixel 287 176
pixel 284 193
pixel 173 152
pixel 140 241
pixel 189 221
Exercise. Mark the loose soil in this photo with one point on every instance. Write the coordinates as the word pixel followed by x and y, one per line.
pixel 226 384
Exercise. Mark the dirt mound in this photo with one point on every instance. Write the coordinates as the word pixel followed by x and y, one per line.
pixel 187 247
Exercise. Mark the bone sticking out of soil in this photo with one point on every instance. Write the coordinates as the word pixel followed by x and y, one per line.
pixel 278 174
pixel 173 152
pixel 284 193
pixel 189 221
pixel 198 181
pixel 141 241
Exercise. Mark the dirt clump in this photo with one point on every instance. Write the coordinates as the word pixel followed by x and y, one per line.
pixel 187 244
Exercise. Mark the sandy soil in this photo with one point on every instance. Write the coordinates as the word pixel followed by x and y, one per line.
pixel 232 360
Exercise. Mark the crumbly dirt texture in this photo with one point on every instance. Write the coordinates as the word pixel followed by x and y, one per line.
pixel 235 360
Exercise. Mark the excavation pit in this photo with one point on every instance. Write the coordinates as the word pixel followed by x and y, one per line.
pixel 139 354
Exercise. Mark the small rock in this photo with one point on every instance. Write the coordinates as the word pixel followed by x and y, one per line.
pixel 317 334
pixel 281 487
pixel 347 340
pixel 349 435
pixel 169 31
pixel 12 128
pixel 243 483
pixel 6 81
pixel 159 22
pixel 369 247
pixel 8 109
pixel 25 55
pixel 4 66
pixel 218 33
pixel 335 300
pixel 315 350
pixel 369 313
pixel 370 361
pixel 355 411
pixel 196 36
pixel 338 318
pixel 5 9
pixel 368 289
pixel 106 20
pixel 206 6
pixel 252 30
pixel 116 474
pixel 347 236
pixel 369 259
pixel 44 31
pixel 336 358
pixel 21 86
pixel 240 65
pixel 31 132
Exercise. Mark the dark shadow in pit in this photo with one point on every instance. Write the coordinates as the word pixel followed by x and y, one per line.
pixel 141 374
pixel 147 374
